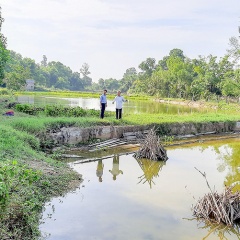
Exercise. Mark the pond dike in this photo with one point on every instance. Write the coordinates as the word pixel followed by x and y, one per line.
pixel 77 135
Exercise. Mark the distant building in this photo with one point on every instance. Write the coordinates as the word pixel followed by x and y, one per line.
pixel 30 84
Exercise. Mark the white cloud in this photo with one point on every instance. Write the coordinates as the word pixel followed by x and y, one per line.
pixel 112 36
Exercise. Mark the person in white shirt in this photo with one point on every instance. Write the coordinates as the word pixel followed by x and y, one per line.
pixel 119 103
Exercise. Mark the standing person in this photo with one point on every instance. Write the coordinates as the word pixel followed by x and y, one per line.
pixel 103 103
pixel 119 102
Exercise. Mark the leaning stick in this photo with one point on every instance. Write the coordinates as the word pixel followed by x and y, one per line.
pixel 214 200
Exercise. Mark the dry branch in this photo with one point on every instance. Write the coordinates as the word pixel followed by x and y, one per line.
pixel 219 208
pixel 151 148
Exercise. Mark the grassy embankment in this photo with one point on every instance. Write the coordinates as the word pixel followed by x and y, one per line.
pixel 28 178
pixel 225 112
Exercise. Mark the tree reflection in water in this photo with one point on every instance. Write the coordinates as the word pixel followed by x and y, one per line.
pixel 229 158
pixel 150 170
pixel 233 161
pixel 220 230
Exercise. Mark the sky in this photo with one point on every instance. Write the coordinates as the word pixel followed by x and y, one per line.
pixel 114 35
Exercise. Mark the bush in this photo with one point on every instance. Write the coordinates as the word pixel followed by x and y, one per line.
pixel 28 108
pixel 4 91
pixel 58 111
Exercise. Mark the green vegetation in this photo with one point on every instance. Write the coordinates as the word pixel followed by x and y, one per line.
pixel 3 51
pixel 58 111
pixel 174 76
pixel 28 178
pixel 52 116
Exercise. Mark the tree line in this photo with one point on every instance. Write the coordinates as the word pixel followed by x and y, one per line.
pixel 173 76
pixel 47 75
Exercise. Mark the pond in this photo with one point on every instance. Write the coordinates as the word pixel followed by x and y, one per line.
pixel 124 198
pixel 132 106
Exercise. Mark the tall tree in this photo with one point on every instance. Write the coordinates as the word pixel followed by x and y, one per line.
pixel 3 51
pixel 176 52
pixel 234 51
pixel 111 84
pixel 128 78
pixel 87 81
pixel 44 61
pixel 148 66
pixel 84 70
pixel 16 79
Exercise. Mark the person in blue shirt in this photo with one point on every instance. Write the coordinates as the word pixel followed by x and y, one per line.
pixel 103 103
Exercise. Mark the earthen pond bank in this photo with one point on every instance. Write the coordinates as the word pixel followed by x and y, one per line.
pixel 77 135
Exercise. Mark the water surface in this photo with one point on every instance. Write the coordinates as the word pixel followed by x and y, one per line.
pixel 122 198
pixel 132 106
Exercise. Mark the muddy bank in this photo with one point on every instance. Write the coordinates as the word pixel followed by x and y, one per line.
pixel 76 135
pixel 189 103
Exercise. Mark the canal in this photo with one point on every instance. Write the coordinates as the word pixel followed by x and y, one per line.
pixel 124 198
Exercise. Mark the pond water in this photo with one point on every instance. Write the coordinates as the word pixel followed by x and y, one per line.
pixel 131 106
pixel 124 198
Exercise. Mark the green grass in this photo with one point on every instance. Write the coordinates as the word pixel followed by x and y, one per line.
pixel 17 144
pixel 40 123
pixel 28 178
pixel 83 94
pixel 145 119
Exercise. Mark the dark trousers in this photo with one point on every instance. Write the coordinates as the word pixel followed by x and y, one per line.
pixel 118 113
pixel 102 110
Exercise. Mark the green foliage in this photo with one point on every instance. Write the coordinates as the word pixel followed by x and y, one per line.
pixel 46 75
pixel 4 53
pixel 18 207
pixel 128 79
pixel 167 140
pixel 175 76
pixel 14 143
pixel 23 190
pixel 12 176
pixel 15 79
pixel 4 91
pixel 29 109
pixel 58 111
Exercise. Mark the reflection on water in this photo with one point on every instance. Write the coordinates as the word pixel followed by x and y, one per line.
pixel 228 159
pixel 26 99
pixel 220 230
pixel 150 170
pixel 132 106
pixel 115 167
pixel 158 209
pixel 99 171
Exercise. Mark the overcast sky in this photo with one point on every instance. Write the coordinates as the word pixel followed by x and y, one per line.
pixel 114 35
